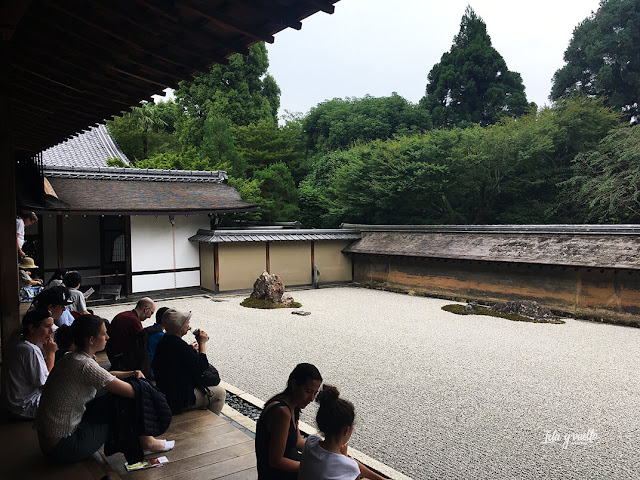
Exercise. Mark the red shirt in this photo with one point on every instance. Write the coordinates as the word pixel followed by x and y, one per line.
pixel 123 331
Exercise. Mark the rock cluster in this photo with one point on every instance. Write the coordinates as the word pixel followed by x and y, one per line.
pixel 270 287
pixel 526 308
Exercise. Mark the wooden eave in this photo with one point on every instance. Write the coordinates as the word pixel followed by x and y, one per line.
pixel 71 64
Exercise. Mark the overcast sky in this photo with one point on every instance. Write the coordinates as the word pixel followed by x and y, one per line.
pixel 377 47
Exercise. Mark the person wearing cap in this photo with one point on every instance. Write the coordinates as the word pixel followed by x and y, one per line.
pixel 56 301
pixel 23 220
pixel 177 366
pixel 29 364
pixel 125 328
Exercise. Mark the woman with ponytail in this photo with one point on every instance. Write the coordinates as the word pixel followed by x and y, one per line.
pixel 278 439
pixel 327 459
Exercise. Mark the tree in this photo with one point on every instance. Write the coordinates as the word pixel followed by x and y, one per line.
pixel 146 130
pixel 264 143
pixel 472 83
pixel 251 94
pixel 147 118
pixel 603 57
pixel 510 172
pixel 339 123
pixel 607 179
pixel 278 196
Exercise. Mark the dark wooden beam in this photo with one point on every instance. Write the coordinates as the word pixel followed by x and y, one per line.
pixel 9 300
pixel 222 21
pixel 60 240
pixel 120 38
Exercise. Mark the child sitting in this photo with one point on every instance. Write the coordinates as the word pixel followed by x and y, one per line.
pixel 324 459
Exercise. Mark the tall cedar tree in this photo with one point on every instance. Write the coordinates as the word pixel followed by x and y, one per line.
pixel 603 57
pixel 251 94
pixel 472 83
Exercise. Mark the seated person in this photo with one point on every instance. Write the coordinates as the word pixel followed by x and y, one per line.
pixel 29 363
pixel 29 287
pixel 57 278
pixel 123 347
pixel 328 458
pixel 25 273
pixel 177 367
pixel 278 440
pixel 64 339
pixel 56 300
pixel 72 282
pixel 65 433
pixel 151 337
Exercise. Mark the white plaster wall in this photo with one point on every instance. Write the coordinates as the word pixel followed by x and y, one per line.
pixel 152 249
pixel 164 281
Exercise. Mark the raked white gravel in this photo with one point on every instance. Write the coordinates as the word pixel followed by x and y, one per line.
pixel 439 395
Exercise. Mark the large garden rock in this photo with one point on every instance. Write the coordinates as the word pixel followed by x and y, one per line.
pixel 526 308
pixel 268 287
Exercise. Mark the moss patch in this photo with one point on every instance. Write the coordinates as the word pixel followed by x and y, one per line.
pixel 261 303
pixel 459 310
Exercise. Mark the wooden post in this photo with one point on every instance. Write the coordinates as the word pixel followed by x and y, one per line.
pixel 9 299
pixel 268 265
pixel 127 254
pixel 216 268
pixel 313 258
pixel 60 240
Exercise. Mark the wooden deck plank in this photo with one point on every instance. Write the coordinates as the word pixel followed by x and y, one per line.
pixel 202 440
pixel 249 474
pixel 193 416
pixel 21 458
pixel 187 465
pixel 219 469
pixel 207 446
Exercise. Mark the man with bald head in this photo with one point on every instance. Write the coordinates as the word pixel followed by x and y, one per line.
pixel 125 328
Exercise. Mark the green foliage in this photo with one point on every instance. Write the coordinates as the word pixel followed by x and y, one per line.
pixel 146 131
pixel 603 57
pixel 472 83
pixel 249 94
pixel 266 304
pixel 338 123
pixel 278 195
pixel 249 191
pixel 459 310
pixel 511 172
pixel 607 179
pixel 217 144
pixel 265 143
pixel 116 162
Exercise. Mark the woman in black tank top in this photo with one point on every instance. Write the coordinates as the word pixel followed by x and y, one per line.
pixel 278 439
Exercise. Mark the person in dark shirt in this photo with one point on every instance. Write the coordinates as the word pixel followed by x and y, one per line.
pixel 278 440
pixel 122 348
pixel 177 366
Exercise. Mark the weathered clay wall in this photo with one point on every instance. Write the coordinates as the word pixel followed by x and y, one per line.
pixel 600 293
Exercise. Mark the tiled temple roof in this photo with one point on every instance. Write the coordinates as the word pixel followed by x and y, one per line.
pixel 91 148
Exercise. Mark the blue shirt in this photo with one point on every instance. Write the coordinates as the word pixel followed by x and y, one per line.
pixel 152 342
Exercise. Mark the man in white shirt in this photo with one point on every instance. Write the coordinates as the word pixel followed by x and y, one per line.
pixel 24 220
